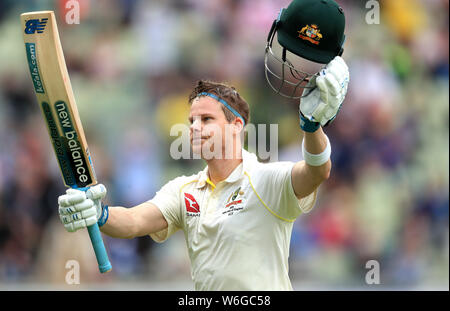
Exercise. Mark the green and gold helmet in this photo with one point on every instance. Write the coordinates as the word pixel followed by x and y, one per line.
pixel 310 33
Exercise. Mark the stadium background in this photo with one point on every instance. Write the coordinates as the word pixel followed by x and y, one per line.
pixel 132 65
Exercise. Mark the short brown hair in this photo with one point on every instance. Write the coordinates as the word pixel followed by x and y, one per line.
pixel 225 92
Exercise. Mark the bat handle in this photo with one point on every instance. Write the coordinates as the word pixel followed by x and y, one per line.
pixel 99 248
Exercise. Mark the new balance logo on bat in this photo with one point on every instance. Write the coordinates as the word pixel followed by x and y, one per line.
pixel 72 145
pixel 34 25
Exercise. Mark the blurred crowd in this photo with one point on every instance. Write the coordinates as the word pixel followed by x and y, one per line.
pixel 132 65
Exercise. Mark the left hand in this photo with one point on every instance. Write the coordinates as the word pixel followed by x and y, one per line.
pixel 324 101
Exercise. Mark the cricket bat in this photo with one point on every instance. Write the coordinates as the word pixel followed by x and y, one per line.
pixel 55 97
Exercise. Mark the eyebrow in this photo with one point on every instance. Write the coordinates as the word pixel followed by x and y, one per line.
pixel 207 114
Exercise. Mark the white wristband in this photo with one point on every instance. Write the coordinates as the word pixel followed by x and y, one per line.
pixel 317 159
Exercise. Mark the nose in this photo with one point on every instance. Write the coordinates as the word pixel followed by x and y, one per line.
pixel 196 125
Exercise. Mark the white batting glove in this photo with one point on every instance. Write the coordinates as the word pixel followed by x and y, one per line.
pixel 323 102
pixel 79 209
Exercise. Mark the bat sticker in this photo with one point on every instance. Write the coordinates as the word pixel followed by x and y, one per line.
pixel 35 25
pixel 34 69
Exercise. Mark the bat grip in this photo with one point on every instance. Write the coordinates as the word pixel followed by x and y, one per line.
pixel 99 248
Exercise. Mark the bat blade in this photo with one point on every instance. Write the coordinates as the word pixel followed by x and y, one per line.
pixel 55 97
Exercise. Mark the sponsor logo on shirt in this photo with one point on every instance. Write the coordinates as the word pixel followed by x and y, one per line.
pixel 233 204
pixel 192 207
pixel 235 194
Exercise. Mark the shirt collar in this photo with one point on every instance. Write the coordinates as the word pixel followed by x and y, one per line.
pixel 248 159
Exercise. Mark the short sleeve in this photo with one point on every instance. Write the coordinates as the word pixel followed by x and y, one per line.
pixel 167 200
pixel 274 185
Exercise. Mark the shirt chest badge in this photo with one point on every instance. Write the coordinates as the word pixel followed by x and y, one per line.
pixel 192 207
pixel 235 203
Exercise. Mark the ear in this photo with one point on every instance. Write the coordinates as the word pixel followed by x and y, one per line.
pixel 238 125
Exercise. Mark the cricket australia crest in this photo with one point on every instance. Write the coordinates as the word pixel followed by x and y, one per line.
pixel 311 34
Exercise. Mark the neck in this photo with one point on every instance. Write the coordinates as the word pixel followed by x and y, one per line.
pixel 220 169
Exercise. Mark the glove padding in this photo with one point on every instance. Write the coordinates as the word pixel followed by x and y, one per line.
pixel 79 209
pixel 328 92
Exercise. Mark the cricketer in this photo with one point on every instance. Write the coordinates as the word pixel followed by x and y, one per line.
pixel 237 214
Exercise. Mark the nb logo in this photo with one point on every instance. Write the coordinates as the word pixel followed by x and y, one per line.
pixel 34 25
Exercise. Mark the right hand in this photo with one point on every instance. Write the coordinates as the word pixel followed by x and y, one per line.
pixel 79 209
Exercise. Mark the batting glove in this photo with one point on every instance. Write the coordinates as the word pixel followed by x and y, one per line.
pixel 79 209
pixel 321 105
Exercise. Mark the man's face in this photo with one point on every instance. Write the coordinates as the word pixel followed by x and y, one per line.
pixel 209 128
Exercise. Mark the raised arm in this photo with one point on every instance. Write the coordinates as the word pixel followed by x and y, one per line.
pixel 306 177
pixel 318 107
pixel 128 223
pixel 79 209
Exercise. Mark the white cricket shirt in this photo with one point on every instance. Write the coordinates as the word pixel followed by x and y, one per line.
pixel 238 231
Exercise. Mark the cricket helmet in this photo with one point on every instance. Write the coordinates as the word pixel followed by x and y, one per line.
pixel 311 30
